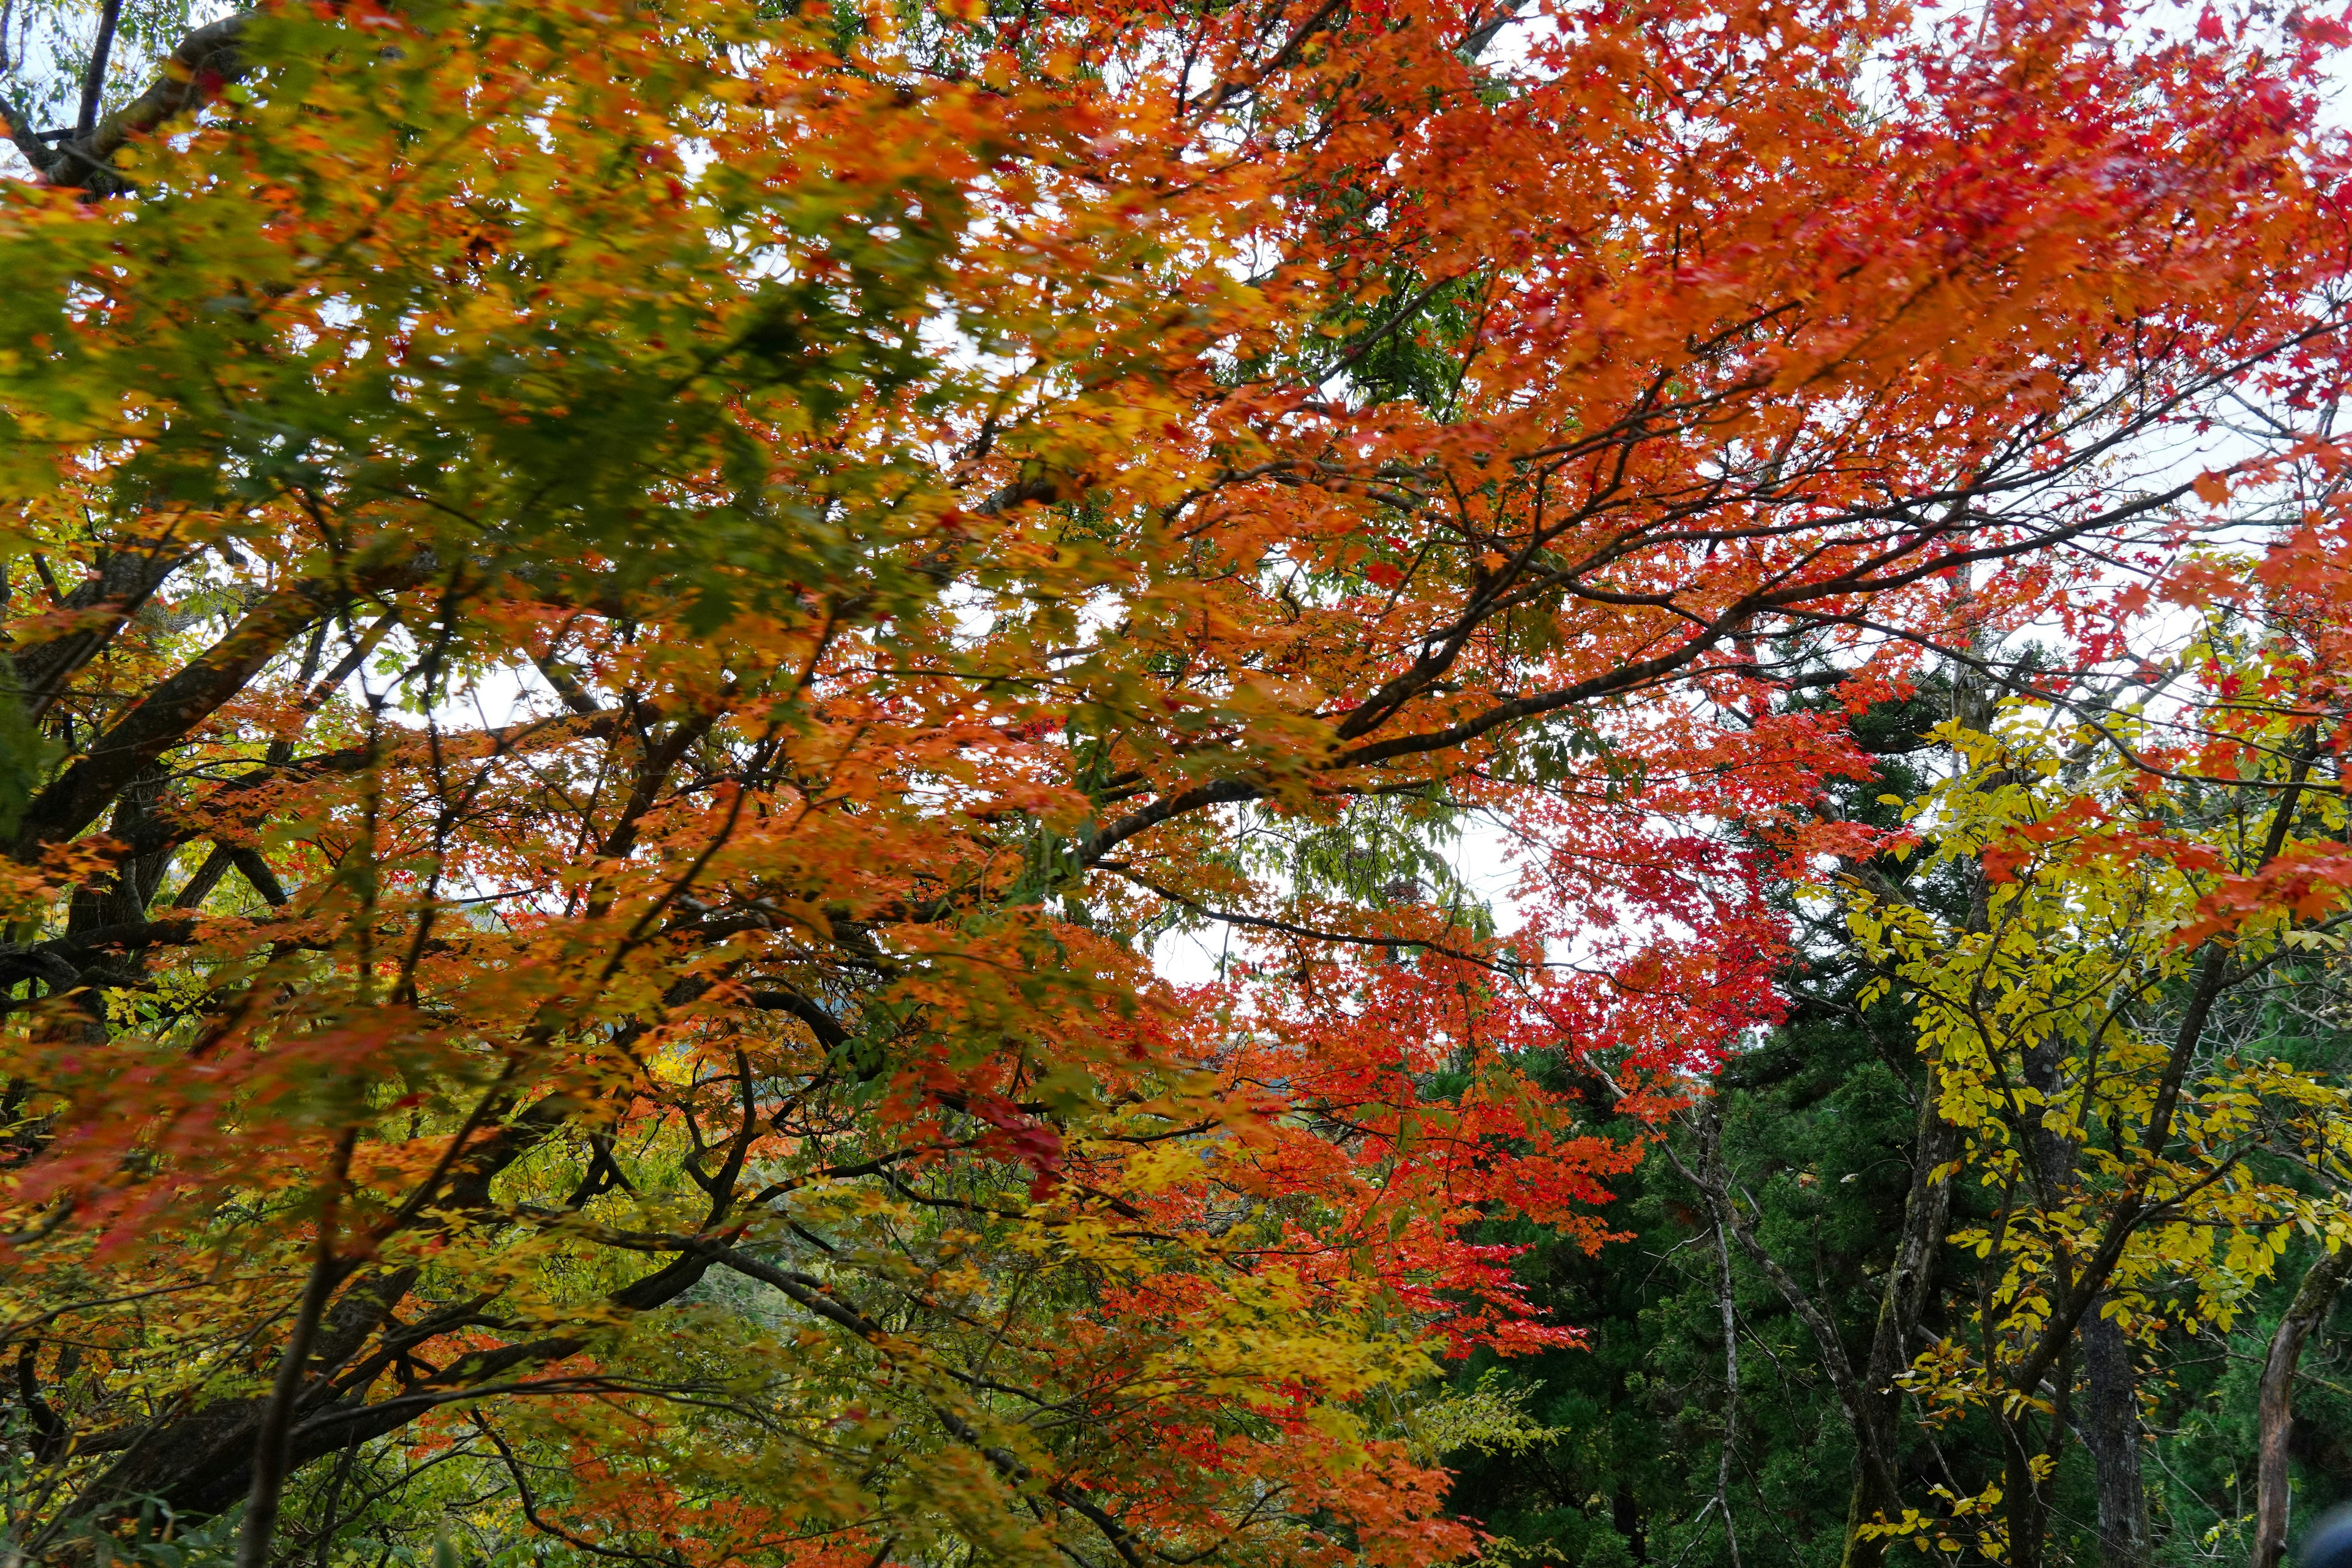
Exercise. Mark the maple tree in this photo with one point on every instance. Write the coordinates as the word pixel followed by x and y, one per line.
pixel 2106 927
pixel 625 627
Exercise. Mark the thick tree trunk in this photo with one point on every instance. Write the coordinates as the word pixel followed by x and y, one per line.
pixel 2275 1408
pixel 2111 1431
pixel 1862 1506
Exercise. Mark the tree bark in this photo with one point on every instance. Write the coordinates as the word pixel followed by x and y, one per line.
pixel 1731 1316
pixel 2276 1403
pixel 1926 1213
pixel 2110 1430
pixel 269 1465
pixel 205 60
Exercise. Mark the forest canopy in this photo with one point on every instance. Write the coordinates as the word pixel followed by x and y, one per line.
pixel 633 635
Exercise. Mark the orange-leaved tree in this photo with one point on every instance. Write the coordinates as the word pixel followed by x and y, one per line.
pixel 625 626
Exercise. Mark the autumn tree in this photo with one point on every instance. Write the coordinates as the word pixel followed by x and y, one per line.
pixel 2089 1067
pixel 622 627
pixel 2039 1199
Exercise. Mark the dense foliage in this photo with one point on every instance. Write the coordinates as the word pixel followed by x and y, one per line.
pixel 1818 1127
pixel 626 631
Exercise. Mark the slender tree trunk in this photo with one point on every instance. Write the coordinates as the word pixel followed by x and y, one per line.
pixel 2021 1499
pixel 1730 1393
pixel 2275 1406
pixel 270 1447
pixel 2109 1426
pixel 93 85
pixel 1927 1212
pixel 270 1455
pixel 1875 1477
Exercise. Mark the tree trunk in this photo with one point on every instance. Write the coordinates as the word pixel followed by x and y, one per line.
pixel 2110 1430
pixel 1863 1551
pixel 1876 1489
pixel 1927 1212
pixel 2276 1408
pixel 2022 1511
pixel 1731 1314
